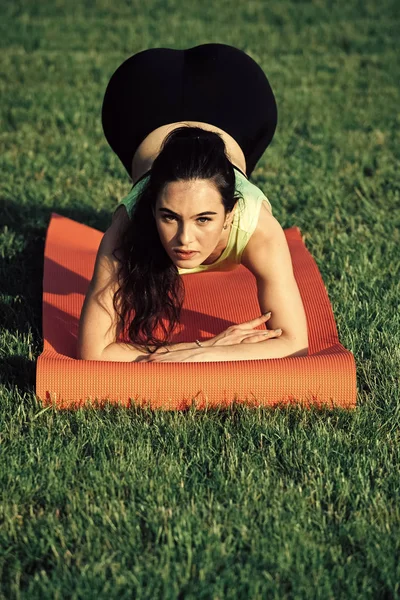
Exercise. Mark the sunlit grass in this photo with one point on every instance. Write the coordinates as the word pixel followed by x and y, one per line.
pixel 241 503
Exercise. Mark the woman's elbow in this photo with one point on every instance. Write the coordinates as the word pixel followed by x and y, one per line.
pixel 86 351
pixel 296 347
pixel 87 355
pixel 302 352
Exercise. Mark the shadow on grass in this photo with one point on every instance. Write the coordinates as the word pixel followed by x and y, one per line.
pixel 22 241
pixel 18 372
pixel 295 414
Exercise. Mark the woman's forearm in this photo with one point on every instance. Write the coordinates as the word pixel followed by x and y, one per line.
pixel 123 352
pixel 272 348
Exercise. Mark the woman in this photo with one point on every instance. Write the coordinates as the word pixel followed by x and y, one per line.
pixel 189 126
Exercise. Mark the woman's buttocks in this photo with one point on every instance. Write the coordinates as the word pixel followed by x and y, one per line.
pixel 151 146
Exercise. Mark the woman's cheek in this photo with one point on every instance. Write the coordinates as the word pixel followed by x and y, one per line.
pixel 211 234
pixel 166 233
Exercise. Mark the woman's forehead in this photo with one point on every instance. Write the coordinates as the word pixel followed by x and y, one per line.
pixel 182 196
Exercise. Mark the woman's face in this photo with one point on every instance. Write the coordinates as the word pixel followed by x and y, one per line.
pixel 190 217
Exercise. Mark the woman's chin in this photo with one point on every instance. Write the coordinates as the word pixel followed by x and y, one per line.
pixel 187 263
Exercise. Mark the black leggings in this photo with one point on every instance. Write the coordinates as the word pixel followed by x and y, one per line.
pixel 211 83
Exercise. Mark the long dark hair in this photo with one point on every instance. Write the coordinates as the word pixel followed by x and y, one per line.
pixel 151 290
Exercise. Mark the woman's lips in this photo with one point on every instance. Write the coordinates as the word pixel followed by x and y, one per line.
pixel 185 255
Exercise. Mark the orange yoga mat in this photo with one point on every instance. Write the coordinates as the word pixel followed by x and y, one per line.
pixel 214 300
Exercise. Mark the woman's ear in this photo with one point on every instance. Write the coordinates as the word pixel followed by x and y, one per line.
pixel 229 216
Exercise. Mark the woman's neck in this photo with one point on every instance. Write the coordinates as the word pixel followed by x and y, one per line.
pixel 219 249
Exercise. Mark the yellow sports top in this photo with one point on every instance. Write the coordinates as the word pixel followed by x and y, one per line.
pixel 243 223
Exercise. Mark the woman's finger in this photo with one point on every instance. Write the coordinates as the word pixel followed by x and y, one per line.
pixel 262 334
pixel 243 334
pixel 255 338
pixel 239 336
pixel 255 322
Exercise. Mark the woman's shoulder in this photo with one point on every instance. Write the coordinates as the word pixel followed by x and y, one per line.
pixel 266 229
pixel 120 223
pixel 130 199
pixel 120 218
pixel 251 204
pixel 249 190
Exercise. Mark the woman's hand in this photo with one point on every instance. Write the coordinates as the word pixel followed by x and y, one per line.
pixel 244 333
pixel 194 355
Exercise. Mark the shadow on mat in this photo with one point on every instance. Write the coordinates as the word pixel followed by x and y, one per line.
pixel 23 229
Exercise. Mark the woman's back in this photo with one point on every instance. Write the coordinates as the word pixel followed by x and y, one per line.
pixel 150 147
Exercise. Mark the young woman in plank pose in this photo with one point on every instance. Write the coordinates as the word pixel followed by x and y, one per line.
pixel 189 127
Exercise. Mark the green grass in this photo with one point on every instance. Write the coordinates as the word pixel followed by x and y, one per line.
pixel 243 503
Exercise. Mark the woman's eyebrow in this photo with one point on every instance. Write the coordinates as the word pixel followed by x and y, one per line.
pixel 206 212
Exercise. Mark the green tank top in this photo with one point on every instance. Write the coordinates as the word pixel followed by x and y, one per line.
pixel 244 221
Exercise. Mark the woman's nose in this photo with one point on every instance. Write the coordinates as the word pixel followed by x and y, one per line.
pixel 185 234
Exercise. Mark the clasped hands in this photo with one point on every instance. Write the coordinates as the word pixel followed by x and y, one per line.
pixel 242 333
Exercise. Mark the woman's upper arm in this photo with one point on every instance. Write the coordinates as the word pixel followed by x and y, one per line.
pixel 267 256
pixel 98 320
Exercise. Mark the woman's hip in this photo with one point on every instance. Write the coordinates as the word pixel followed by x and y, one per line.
pixel 212 83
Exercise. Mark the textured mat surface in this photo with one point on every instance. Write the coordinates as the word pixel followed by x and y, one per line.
pixel 213 301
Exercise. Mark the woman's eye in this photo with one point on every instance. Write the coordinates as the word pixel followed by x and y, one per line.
pixel 169 218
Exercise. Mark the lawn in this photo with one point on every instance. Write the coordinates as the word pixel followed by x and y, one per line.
pixel 241 503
